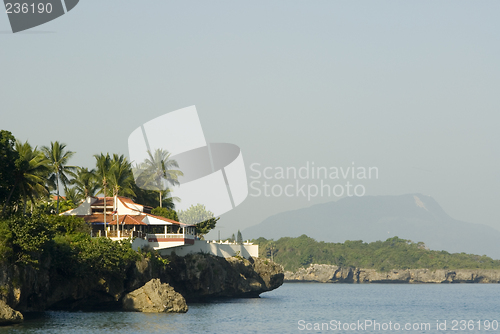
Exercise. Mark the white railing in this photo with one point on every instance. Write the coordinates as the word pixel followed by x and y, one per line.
pixel 170 236
pixel 125 234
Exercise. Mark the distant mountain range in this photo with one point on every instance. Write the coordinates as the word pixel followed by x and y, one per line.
pixel 370 218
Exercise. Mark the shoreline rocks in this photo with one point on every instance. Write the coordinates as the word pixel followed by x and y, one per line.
pixel 333 274
pixel 155 296
pixel 146 286
pixel 8 316
pixel 201 276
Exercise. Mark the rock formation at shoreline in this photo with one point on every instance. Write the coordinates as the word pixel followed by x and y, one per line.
pixel 201 276
pixel 332 274
pixel 155 296
pixel 195 277
pixel 9 316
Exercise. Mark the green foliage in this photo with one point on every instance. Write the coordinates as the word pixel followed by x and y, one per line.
pixel 113 174
pixel 120 176
pixel 156 173
pixel 85 184
pixel 63 225
pixel 199 216
pixel 6 251
pixel 50 207
pixel 25 239
pixel 165 212
pixel 8 157
pixel 195 214
pixel 30 237
pixel 80 255
pixel 238 255
pixel 31 172
pixel 156 259
pixel 57 158
pixel 394 253
pixel 239 238
pixel 146 197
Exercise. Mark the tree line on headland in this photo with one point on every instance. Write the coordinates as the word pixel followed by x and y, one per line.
pixel 28 175
pixel 393 253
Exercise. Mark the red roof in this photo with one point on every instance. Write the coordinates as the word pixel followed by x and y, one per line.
pixel 100 201
pixel 130 220
pixel 165 219
pixel 134 219
pixel 96 218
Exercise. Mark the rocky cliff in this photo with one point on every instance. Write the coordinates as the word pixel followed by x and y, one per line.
pixel 201 276
pixel 333 274
pixel 156 297
pixel 197 276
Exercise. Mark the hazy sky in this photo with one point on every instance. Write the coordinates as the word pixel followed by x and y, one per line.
pixel 411 87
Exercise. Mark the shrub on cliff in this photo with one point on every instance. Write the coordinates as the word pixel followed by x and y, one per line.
pixel 80 255
pixel 26 239
pixel 69 225
pixel 30 237
pixel 5 242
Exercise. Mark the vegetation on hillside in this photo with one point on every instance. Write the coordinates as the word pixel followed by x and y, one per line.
pixel 394 253
pixel 29 239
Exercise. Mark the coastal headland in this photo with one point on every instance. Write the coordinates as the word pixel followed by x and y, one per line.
pixel 333 274
pixel 191 278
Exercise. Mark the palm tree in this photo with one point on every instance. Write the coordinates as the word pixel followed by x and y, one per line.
pixel 158 171
pixel 103 164
pixel 121 179
pixel 29 175
pixel 85 183
pixel 58 159
pixel 72 195
pixel 167 200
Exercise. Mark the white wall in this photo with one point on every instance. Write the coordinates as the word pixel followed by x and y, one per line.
pixel 128 208
pixel 222 250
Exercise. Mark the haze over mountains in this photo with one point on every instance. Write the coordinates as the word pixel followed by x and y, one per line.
pixel 413 216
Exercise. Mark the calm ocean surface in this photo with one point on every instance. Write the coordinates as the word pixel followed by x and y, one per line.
pixel 281 310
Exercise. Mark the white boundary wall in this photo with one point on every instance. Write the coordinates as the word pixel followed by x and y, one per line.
pixel 222 250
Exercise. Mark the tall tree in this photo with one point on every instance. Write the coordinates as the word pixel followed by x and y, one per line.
pixel 103 165
pixel 58 158
pixel 29 176
pixel 157 172
pixel 72 195
pixel 239 238
pixel 8 157
pixel 199 216
pixel 120 177
pixel 85 183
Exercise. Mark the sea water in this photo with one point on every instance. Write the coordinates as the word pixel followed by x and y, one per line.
pixel 304 308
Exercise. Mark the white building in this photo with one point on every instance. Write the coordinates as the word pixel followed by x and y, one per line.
pixel 124 219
